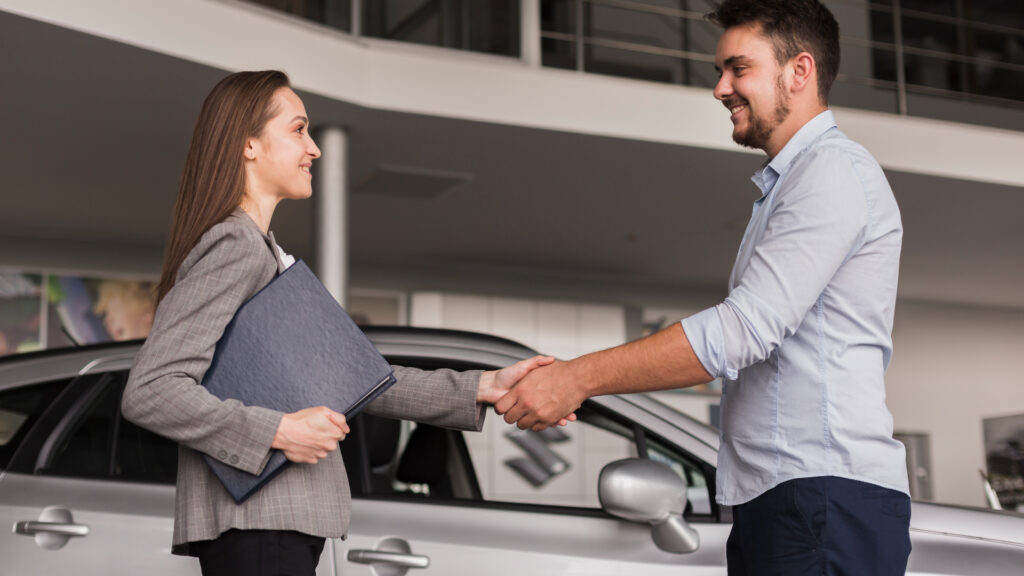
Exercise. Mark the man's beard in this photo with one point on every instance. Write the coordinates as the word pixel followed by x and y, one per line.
pixel 760 130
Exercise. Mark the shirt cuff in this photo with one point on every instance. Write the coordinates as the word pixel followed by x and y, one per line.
pixel 704 331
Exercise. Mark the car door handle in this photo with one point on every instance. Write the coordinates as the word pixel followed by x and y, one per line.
pixel 33 527
pixel 53 529
pixel 396 559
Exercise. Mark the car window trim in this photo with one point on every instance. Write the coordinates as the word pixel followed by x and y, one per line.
pixel 73 416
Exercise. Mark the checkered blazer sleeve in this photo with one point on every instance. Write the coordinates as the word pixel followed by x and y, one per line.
pixel 440 397
pixel 164 394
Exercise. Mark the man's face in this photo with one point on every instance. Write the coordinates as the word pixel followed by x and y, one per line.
pixel 752 86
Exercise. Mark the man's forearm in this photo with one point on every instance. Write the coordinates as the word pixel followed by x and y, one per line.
pixel 660 361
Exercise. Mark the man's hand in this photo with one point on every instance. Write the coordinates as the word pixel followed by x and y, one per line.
pixel 495 385
pixel 544 397
pixel 307 436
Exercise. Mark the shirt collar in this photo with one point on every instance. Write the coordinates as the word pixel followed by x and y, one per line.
pixel 770 172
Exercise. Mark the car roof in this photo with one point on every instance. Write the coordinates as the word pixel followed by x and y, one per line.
pixel 395 342
pixel 483 350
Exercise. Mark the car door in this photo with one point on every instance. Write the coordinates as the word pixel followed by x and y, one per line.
pixel 84 491
pixel 505 501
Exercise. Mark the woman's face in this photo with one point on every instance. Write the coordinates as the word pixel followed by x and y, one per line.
pixel 278 162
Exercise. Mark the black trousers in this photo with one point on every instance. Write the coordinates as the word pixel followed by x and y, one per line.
pixel 260 553
pixel 822 526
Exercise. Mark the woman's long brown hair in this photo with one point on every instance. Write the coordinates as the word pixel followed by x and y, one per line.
pixel 213 180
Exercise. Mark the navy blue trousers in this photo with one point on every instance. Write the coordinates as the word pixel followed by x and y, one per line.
pixel 822 526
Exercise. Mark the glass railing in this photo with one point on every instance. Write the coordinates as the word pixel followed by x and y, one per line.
pixel 660 41
pixel 957 60
pixel 488 26
pixel 960 60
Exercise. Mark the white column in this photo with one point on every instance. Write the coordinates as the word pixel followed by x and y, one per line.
pixel 357 18
pixel 529 32
pixel 331 212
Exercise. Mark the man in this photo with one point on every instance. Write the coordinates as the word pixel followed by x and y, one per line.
pixel 807 459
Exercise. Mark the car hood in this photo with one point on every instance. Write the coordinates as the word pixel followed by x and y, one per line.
pixel 992 525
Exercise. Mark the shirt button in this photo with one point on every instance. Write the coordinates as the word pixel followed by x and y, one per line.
pixel 234 458
pixel 222 455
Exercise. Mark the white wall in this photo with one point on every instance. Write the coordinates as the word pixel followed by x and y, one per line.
pixel 951 368
pixel 562 329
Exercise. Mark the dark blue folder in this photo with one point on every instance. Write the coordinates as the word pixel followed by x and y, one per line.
pixel 289 347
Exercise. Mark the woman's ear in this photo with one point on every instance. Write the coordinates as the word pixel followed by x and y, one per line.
pixel 251 148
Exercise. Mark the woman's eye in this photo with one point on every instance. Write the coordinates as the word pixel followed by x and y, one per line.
pixel 301 130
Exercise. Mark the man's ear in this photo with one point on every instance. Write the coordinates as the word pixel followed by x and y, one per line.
pixel 804 73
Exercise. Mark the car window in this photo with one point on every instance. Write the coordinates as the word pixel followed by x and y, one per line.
pixel 698 493
pixel 561 466
pixel 94 441
pixel 556 467
pixel 20 408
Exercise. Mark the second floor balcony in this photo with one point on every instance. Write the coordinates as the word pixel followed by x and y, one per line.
pixel 958 60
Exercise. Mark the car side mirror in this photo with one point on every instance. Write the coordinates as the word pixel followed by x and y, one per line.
pixel 641 490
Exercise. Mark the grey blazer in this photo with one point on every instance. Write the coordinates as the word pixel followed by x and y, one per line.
pixel 229 265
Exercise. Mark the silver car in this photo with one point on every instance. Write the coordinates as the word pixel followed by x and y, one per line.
pixel 628 489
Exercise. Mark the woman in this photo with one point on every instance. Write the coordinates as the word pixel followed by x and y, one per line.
pixel 250 150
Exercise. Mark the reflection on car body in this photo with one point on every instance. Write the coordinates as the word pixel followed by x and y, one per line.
pixel 84 491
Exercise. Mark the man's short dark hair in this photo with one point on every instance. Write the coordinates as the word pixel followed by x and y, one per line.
pixel 792 26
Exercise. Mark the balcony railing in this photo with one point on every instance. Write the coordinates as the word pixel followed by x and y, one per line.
pixel 949 59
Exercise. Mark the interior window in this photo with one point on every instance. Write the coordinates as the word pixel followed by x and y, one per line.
pixel 94 441
pixel 85 438
pixel 406 458
pixel 143 456
pixel 19 409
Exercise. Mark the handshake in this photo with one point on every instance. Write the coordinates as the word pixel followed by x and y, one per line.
pixel 534 393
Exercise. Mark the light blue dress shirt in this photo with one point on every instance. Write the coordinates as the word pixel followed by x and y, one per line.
pixel 804 338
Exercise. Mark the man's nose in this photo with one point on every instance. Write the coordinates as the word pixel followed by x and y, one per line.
pixel 723 88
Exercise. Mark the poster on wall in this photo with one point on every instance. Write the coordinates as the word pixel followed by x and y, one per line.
pixel 41 311
pixel 102 310
pixel 1004 455
pixel 21 312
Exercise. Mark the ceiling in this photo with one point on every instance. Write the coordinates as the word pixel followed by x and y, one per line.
pixel 95 132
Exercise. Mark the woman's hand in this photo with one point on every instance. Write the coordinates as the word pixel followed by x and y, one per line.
pixel 495 383
pixel 307 436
